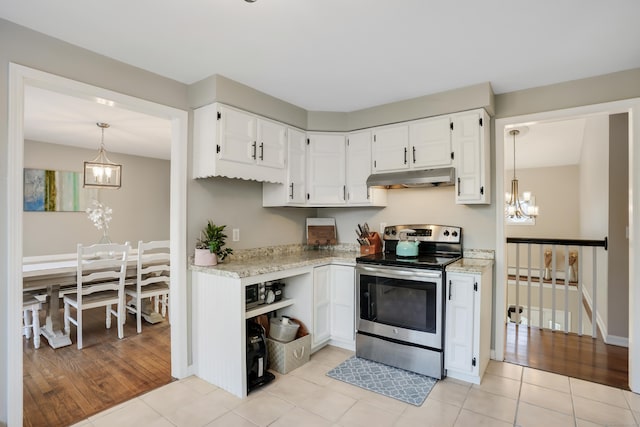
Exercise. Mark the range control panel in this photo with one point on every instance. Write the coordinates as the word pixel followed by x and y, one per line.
pixel 424 233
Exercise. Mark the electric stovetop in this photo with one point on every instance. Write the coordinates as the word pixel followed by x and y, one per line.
pixel 421 261
pixel 438 246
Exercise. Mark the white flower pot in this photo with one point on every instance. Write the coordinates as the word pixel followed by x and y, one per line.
pixel 203 257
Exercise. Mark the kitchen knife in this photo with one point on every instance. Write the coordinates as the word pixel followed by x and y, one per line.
pixel 366 229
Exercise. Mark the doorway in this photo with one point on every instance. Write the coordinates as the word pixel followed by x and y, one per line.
pixel 632 107
pixel 19 78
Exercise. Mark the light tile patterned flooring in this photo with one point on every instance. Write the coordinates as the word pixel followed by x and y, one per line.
pixel 509 395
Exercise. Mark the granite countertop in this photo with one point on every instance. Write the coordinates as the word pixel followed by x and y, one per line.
pixel 470 265
pixel 259 261
pixel 254 262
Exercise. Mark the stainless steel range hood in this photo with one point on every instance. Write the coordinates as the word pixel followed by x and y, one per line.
pixel 413 178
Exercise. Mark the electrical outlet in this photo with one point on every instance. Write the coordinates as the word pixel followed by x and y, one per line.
pixel 382 226
pixel 236 234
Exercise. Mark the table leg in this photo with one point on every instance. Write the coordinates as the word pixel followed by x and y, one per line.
pixel 149 313
pixel 53 329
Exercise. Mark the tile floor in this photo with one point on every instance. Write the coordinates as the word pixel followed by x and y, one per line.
pixel 509 395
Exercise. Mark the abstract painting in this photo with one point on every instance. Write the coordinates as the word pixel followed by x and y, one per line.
pixel 55 191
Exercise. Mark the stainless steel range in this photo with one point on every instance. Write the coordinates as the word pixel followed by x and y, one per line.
pixel 400 297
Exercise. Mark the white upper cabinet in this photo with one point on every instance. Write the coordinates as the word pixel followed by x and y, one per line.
pixel 419 144
pixel 390 148
pixel 271 144
pixel 359 169
pixel 430 143
pixel 237 136
pixel 471 147
pixel 293 191
pixel 326 169
pixel 236 144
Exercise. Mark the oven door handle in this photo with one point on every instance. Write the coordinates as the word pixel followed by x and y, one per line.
pixel 411 273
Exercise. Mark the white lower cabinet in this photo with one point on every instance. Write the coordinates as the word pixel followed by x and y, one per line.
pixel 321 297
pixel 334 306
pixel 219 317
pixel 321 306
pixel 468 325
pixel 343 296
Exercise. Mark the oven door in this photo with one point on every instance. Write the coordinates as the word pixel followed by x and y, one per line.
pixel 402 304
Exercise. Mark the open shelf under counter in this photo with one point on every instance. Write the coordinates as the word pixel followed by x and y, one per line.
pixel 266 308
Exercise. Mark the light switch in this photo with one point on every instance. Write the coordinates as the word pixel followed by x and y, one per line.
pixel 236 235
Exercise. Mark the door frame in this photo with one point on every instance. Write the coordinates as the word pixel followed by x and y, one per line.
pixel 20 77
pixel 631 106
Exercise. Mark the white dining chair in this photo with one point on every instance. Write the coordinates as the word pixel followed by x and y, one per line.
pixel 153 278
pixel 31 306
pixel 100 282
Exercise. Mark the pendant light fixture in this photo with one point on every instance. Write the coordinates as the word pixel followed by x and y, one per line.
pixel 519 210
pixel 102 172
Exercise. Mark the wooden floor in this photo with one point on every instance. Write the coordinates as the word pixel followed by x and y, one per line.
pixel 568 354
pixel 67 385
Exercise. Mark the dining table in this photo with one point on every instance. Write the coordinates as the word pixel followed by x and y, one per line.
pixel 54 275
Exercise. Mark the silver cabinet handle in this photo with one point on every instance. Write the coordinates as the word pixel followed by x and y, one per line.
pixel 262 151
pixel 291 193
pixel 253 146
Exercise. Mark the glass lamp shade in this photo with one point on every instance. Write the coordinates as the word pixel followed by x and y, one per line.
pixel 102 173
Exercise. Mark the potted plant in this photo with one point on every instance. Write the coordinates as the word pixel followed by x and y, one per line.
pixel 210 246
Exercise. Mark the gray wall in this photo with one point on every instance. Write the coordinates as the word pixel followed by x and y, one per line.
pixel 618 253
pixel 419 205
pixel 134 218
pixel 218 88
pixel 557 193
pixel 238 204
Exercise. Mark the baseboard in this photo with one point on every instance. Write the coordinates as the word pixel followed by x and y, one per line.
pixel 346 345
pixel 618 341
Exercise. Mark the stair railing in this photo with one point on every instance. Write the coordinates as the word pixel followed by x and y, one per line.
pixel 548 271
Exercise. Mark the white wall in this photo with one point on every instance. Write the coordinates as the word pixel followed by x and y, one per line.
pixel 594 205
pixel 140 206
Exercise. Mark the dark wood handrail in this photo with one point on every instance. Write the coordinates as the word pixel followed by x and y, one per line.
pixel 567 242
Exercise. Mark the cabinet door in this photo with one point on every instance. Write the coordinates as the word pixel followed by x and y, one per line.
pixel 326 180
pixel 471 148
pixel 238 141
pixel 430 142
pixel 296 170
pixel 342 303
pixel 390 148
pixel 358 167
pixel 272 142
pixel 321 305
pixel 459 340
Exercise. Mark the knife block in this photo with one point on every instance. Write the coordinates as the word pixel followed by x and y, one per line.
pixel 374 248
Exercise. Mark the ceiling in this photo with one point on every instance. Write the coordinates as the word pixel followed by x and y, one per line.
pixel 336 55
pixel 62 119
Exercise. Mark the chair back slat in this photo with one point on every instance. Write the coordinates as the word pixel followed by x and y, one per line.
pixel 153 262
pixel 101 267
